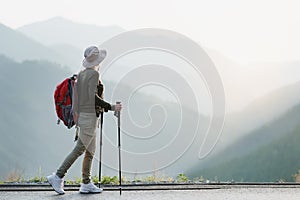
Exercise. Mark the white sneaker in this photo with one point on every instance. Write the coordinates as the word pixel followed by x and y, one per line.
pixel 89 188
pixel 56 183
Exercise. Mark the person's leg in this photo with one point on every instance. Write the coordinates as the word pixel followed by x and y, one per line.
pixel 56 180
pixel 70 159
pixel 88 159
pixel 88 126
pixel 87 186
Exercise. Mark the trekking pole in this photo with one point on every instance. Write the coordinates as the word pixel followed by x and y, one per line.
pixel 100 159
pixel 118 115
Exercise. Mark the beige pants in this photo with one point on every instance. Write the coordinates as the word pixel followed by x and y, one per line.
pixel 87 123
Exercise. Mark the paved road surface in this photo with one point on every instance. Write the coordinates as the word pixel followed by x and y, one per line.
pixel 212 194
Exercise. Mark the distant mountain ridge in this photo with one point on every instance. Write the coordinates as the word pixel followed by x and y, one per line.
pixel 254 80
pixel 263 110
pixel 68 38
pixel 61 31
pixel 16 45
pixel 270 153
pixel 27 121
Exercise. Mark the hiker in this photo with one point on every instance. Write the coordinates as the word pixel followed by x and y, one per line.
pixel 87 105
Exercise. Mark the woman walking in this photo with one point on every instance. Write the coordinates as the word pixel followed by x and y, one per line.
pixel 87 104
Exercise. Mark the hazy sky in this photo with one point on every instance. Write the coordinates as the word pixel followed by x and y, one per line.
pixel 244 30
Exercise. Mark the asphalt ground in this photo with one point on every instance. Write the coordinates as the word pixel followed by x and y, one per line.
pixel 215 191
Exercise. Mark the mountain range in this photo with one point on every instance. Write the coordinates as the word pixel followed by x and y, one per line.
pixel 267 154
pixel 62 31
pixel 16 45
pixel 66 47
pixel 262 100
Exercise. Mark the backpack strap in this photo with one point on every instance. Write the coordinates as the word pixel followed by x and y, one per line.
pixel 76 133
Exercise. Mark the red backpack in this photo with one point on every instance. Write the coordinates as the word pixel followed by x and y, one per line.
pixel 63 101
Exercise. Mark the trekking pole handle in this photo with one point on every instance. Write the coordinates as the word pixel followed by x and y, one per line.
pixel 118 113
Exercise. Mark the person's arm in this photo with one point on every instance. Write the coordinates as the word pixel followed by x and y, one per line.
pixel 103 104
